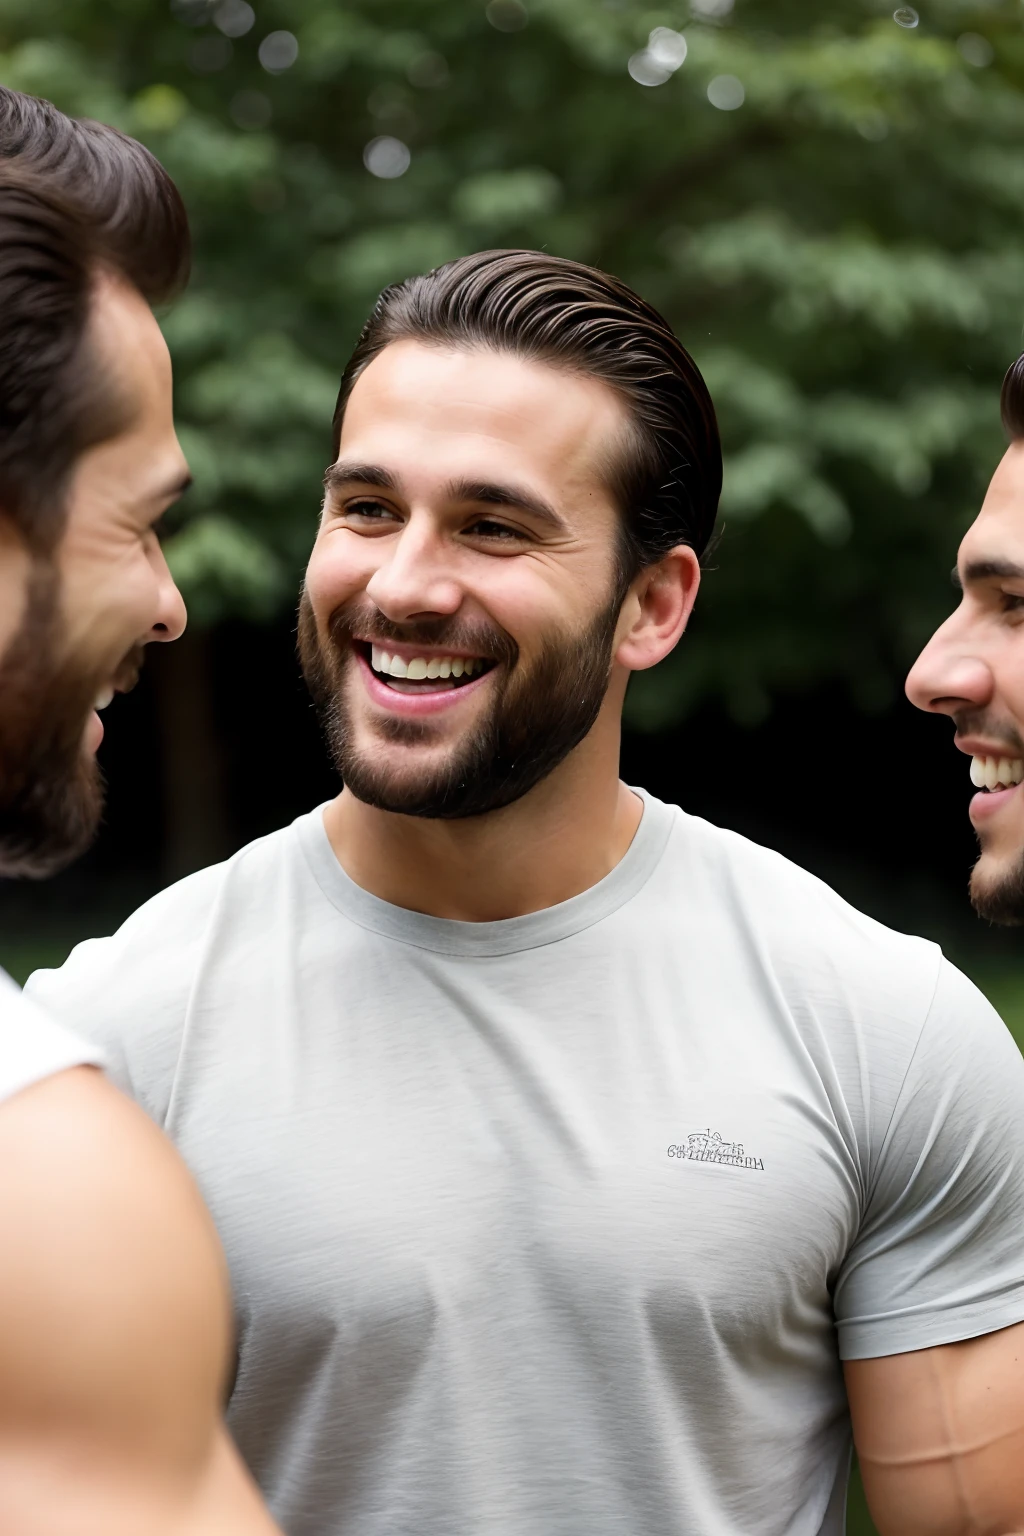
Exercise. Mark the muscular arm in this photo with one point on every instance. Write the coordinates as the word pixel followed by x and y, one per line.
pixel 940 1437
pixel 114 1328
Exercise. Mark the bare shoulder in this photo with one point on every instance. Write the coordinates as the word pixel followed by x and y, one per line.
pixel 114 1321
pixel 106 1238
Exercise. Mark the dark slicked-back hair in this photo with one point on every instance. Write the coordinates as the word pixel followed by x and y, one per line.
pixel 667 476
pixel 1012 399
pixel 75 198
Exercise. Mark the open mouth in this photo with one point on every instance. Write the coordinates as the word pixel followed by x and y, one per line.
pixel 437 673
pixel 996 773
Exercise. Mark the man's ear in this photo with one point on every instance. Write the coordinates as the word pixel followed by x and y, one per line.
pixel 657 609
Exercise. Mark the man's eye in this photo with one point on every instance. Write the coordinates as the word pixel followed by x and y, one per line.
pixel 159 528
pixel 1012 602
pixel 486 528
pixel 368 514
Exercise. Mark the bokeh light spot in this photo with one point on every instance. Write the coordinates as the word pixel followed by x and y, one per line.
pixel 664 54
pixel 234 18
pixel 906 16
pixel 667 48
pixel 507 15
pixel 975 50
pixel 278 52
pixel 160 107
pixel 647 71
pixel 726 93
pixel 387 157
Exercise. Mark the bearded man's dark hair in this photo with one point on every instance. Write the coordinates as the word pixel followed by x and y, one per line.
pixel 76 199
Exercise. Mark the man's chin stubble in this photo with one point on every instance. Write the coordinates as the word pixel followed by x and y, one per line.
pixel 1001 900
pixel 530 727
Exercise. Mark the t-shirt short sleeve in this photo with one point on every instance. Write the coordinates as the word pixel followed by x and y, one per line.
pixel 939 1255
pixel 32 1045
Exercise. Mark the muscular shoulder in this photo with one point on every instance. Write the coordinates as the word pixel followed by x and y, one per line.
pixel 114 1314
pixel 835 988
pixel 130 993
pixel 813 938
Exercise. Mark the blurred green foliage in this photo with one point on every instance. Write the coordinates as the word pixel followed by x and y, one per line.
pixel 841 251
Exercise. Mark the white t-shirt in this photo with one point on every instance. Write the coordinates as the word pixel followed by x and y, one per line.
pixel 33 1046
pixel 561 1225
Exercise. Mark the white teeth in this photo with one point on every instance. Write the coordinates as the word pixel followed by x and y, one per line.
pixel 103 699
pixel 988 772
pixel 420 667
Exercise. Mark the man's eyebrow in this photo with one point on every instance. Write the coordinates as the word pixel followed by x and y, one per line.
pixel 495 495
pixel 348 473
pixel 993 570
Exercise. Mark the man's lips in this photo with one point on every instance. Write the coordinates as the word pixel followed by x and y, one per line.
pixel 980 746
pixel 412 705
pixel 125 679
pixel 989 802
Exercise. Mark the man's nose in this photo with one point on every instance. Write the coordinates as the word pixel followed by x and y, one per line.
pixel 416 578
pixel 171 616
pixel 949 675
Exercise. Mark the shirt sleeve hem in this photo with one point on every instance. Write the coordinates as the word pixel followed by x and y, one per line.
pixel 899 1336
pixel 41 1070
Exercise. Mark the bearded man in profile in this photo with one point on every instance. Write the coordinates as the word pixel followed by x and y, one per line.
pixel 115 1326
pixel 972 670
pixel 582 1168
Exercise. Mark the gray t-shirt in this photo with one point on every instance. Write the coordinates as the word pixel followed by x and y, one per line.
pixel 33 1046
pixel 561 1225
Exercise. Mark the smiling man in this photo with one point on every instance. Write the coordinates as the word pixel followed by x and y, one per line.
pixel 972 669
pixel 567 1150
pixel 115 1322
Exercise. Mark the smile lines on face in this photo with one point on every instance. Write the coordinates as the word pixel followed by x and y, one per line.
pixel 991 773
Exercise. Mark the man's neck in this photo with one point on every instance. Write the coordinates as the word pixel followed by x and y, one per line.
pixel 560 839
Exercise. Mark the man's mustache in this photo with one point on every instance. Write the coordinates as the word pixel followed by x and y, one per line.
pixel 369 625
pixel 978 722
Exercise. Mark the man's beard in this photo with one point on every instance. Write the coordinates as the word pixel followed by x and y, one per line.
pixel 536 718
pixel 1000 900
pixel 51 789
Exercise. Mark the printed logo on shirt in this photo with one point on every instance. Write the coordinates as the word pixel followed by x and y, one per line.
pixel 708 1147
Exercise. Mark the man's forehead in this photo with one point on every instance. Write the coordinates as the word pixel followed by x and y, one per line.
pixel 996 537
pixel 447 391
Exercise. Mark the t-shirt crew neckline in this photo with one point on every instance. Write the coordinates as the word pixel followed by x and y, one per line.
pixel 508 935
